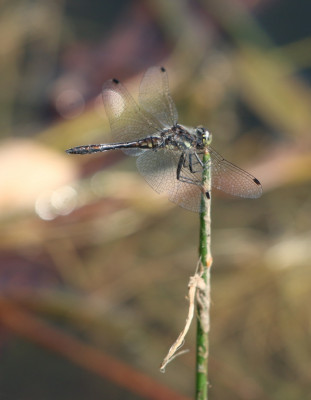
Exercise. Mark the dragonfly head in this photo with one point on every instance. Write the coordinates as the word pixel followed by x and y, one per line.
pixel 204 137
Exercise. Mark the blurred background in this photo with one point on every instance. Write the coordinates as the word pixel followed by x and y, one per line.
pixel 94 265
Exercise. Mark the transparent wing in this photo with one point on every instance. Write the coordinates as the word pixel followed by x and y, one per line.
pixel 128 121
pixel 159 168
pixel 231 179
pixel 154 96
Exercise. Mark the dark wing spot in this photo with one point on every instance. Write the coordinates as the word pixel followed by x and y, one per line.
pixel 207 195
pixel 163 69
pixel 256 181
pixel 114 80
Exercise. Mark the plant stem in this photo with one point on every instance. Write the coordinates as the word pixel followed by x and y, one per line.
pixel 203 294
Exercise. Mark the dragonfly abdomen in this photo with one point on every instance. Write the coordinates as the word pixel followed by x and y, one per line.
pixel 152 142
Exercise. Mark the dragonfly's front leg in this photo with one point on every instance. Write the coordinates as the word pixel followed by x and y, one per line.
pixel 198 159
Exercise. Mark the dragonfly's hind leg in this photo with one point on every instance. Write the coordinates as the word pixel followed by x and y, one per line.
pixel 190 163
pixel 182 163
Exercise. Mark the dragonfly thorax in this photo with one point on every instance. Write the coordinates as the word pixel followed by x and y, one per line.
pixel 184 138
pixel 181 138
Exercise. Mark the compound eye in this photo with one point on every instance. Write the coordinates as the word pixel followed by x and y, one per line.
pixel 208 137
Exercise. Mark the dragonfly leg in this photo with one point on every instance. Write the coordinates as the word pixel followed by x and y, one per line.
pixel 193 163
pixel 181 164
pixel 190 163
pixel 198 159
pixel 184 179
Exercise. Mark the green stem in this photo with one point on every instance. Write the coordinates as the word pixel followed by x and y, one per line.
pixel 203 295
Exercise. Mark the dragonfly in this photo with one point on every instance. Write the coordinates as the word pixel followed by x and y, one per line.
pixel 170 155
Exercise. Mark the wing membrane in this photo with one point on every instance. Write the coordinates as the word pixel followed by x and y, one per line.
pixel 231 179
pixel 128 121
pixel 159 168
pixel 154 96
